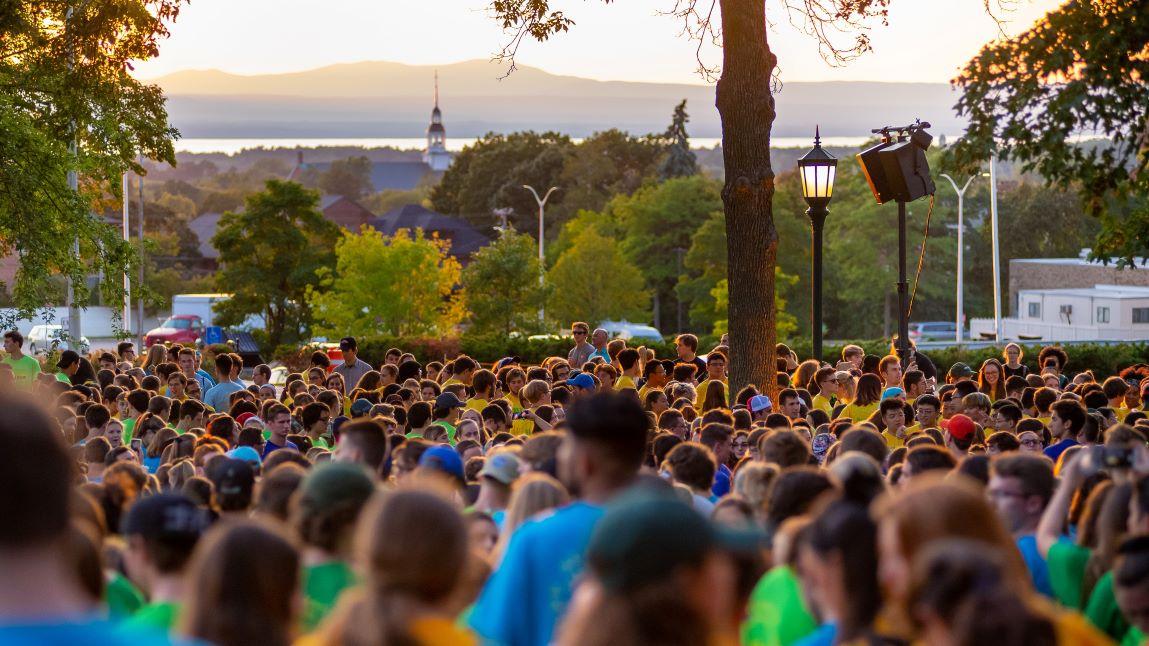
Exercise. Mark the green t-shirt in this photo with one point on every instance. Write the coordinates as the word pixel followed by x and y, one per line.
pixel 450 430
pixel 122 597
pixel 777 615
pixel 155 616
pixel 24 369
pixel 1066 562
pixel 322 585
pixel 1133 638
pixel 1102 610
pixel 129 426
pixel 61 377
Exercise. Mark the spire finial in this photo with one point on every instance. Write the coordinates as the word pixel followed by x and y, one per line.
pixel 817 136
pixel 436 88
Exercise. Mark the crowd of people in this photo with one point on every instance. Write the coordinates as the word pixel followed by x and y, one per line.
pixel 607 497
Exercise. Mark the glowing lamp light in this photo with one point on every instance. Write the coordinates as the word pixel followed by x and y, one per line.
pixel 818 169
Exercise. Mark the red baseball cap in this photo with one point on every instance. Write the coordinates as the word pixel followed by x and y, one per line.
pixel 961 427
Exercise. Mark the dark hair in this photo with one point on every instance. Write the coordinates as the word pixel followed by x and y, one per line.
pixel 962 582
pixel 930 458
pixel 865 440
pixel 1072 412
pixel 784 448
pixel 692 464
pixel 617 425
pixel 1034 472
pixel 1004 441
pixel 242 586
pixel 846 528
pixel 794 491
pixel 369 437
pixel 1043 398
pixel 868 391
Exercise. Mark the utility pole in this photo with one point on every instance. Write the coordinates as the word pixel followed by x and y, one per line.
pixel 542 259
pixel 140 281
pixel 996 249
pixel 74 324
pixel 960 312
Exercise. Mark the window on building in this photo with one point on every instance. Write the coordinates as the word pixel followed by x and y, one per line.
pixel 1035 310
pixel 1141 314
pixel 1102 314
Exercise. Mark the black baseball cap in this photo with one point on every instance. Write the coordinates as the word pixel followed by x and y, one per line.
pixel 449 400
pixel 166 516
pixel 231 476
pixel 348 343
pixel 67 358
pixel 645 535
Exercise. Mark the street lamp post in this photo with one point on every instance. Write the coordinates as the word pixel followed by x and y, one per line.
pixel 542 260
pixel 960 314
pixel 817 169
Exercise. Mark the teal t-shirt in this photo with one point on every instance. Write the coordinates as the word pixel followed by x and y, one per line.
pixel 122 597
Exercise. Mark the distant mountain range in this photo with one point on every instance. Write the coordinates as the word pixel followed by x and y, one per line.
pixel 383 99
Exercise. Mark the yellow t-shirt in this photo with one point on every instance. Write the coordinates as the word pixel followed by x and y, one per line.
pixel 859 413
pixel 624 382
pixel 476 404
pixel 516 403
pixel 892 440
pixel 700 393
pixel 823 404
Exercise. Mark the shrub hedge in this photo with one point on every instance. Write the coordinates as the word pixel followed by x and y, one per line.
pixel 1103 359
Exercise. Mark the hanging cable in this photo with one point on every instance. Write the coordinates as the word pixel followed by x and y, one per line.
pixel 921 259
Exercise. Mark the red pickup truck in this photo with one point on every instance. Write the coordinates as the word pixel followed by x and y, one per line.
pixel 182 328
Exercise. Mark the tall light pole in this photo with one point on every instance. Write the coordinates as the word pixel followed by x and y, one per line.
pixel 996 250
pixel 542 260
pixel 74 322
pixel 817 169
pixel 960 314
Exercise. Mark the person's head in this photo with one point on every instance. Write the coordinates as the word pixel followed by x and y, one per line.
pixel 716 366
pixel 922 459
pixel 242 587
pixel 96 418
pixel 853 354
pixel 1020 486
pixel 718 438
pixel 794 492
pixel 278 421
pixel 580 331
pixel 890 370
pixel 869 390
pixel 1001 442
pixel 1005 417
pixel 927 409
pixel 328 504
pixel 363 442
pixel 161 531
pixel 605 444
pixel 13 341
pixel 599 338
pixel 784 448
pixel 1131 581
pixel 686 345
pixel 838 566
pixel 960 592
pixel 1066 419
pixel 893 414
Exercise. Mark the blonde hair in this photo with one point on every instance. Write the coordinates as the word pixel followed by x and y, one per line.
pixel 531 495
pixel 534 391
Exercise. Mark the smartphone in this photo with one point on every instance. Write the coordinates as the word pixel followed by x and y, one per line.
pixel 1117 457
pixel 137 444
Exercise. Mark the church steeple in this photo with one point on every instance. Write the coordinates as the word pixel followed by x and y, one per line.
pixel 436 155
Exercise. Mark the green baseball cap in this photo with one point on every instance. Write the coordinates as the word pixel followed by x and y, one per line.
pixel 644 536
pixel 334 483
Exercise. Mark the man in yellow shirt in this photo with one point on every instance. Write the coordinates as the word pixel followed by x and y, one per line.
pixel 483 383
pixel 464 373
pixel 655 374
pixel 827 396
pixel 628 361
pixel 715 371
pixel 893 414
pixel 1115 389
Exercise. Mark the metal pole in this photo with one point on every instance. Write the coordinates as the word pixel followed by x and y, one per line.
pixel 817 222
pixel 678 251
pixel 127 230
pixel 140 273
pixel 903 319
pixel 74 331
pixel 542 258
pixel 959 315
pixel 996 250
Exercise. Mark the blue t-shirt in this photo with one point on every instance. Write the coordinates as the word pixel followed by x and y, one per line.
pixel 824 635
pixel 721 485
pixel 270 446
pixel 601 352
pixel 528 593
pixel 1054 451
pixel 1038 570
pixel 219 395
pixel 79 631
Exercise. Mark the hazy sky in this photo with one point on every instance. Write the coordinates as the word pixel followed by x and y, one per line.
pixel 926 40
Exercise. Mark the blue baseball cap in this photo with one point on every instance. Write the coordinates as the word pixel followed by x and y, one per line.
pixel 759 403
pixel 582 380
pixel 891 392
pixel 444 458
pixel 247 454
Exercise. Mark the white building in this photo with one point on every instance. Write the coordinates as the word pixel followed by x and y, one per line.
pixel 1101 312
pixel 436 155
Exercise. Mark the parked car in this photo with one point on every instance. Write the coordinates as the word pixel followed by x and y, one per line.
pixel 933 331
pixel 43 339
pixel 181 328
pixel 631 331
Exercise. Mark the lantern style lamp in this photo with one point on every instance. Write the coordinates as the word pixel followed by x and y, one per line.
pixel 817 169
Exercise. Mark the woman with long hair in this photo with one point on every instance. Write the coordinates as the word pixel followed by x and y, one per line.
pixel 242 587
pixel 157 354
pixel 867 397
pixel 838 566
pixel 533 494
pixel 412 548
pixel 1012 365
pixel 804 376
pixel 991 379
pixel 715 396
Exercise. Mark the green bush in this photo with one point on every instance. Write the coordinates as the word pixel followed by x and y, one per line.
pixel 1103 360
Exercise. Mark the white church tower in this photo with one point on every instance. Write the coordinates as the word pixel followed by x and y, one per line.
pixel 436 155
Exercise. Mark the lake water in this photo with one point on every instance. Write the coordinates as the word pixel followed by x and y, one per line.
pixel 232 146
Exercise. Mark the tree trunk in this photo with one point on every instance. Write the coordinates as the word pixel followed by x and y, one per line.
pixel 746 108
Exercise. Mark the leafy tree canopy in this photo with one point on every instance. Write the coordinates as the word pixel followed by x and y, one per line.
pixel 271 254
pixel 401 285
pixel 593 281
pixel 503 292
